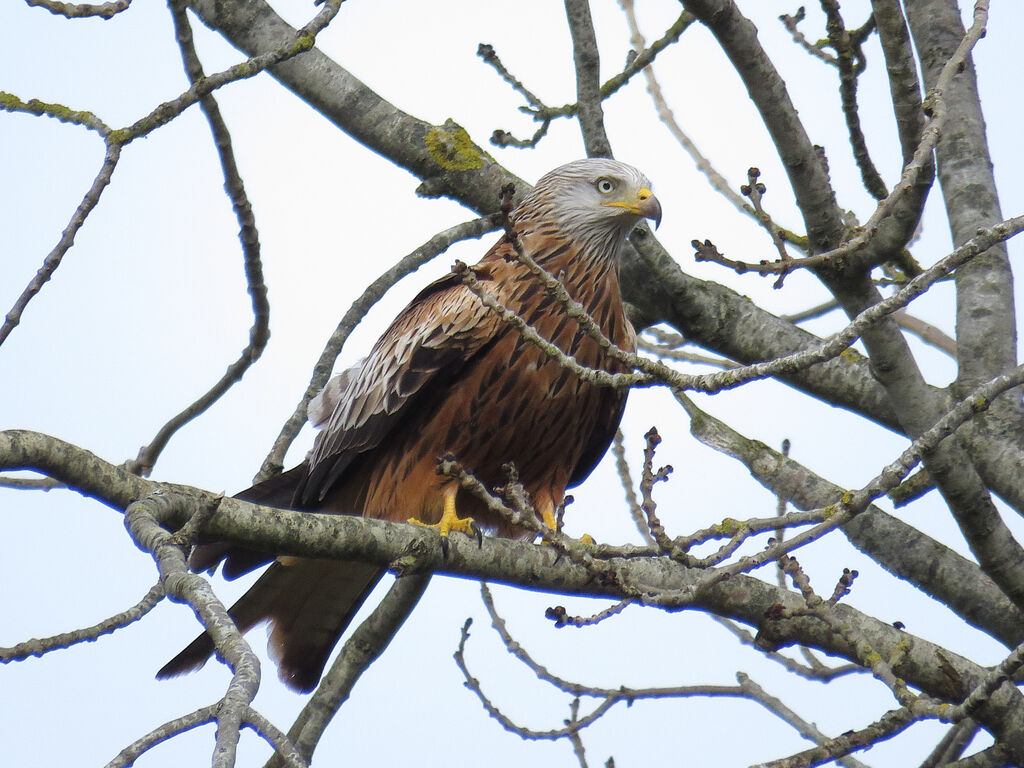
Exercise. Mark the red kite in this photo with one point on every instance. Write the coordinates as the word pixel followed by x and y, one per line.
pixel 450 377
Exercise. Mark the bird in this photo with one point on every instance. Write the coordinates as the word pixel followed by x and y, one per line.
pixel 451 378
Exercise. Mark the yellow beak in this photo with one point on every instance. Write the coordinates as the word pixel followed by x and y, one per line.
pixel 643 204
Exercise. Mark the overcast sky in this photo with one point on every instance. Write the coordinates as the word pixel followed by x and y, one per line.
pixel 149 307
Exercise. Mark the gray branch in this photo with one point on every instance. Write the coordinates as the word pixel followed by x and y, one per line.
pixel 515 562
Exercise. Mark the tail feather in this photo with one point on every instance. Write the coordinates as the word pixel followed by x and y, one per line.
pixel 278 491
pixel 307 624
pixel 309 603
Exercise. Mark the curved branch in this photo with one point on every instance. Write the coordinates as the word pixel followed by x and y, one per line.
pixel 37 647
pixel 259 334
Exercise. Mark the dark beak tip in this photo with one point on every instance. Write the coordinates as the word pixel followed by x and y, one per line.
pixel 654 211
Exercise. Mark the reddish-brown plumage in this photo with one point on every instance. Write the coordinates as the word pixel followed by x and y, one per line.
pixel 449 377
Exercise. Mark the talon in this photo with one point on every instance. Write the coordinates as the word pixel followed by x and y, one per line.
pixel 587 539
pixel 450 521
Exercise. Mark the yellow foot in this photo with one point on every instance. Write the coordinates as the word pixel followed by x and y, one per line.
pixel 450 521
pixel 547 514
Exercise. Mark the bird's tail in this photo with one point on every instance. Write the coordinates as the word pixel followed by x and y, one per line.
pixel 309 603
pixel 278 491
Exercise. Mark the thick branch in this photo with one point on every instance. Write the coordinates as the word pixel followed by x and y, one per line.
pixel 588 78
pixel 899 548
pixel 403 546
pixel 986 320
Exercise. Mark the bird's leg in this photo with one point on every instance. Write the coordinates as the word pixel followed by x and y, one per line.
pixel 547 514
pixel 450 520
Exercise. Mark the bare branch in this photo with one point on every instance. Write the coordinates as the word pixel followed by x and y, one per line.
pixel 248 235
pixel 545 114
pixel 81 10
pixel 815 670
pixel 985 314
pixel 588 78
pixel 904 87
pixel 665 114
pixel 67 239
pixel 886 727
pixel 850 62
pixel 37 647
pixel 115 140
pixel 774 705
pixel 791 22
pixel 141 519
pixel 900 548
pixel 952 744
pixel 30 483
pixel 11 103
pixel 622 466
pixel 345 537
pixel 127 756
pixel 926 332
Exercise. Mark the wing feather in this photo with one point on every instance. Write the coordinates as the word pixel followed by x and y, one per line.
pixel 442 329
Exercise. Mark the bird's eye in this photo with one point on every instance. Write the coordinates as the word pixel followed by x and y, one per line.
pixel 604 186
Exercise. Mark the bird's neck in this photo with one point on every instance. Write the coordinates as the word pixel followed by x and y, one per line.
pixel 586 256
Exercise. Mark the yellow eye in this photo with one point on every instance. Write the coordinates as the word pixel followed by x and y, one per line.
pixel 605 186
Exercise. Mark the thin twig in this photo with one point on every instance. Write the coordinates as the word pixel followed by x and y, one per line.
pixel 67 239
pixel 248 235
pixel 814 670
pixel 665 114
pixel 625 477
pixel 37 647
pixel 130 754
pixel 29 483
pixel 854 502
pixel 936 108
pixel 303 40
pixel 774 705
pixel 790 22
pixel 850 62
pixel 544 114
pixel 81 10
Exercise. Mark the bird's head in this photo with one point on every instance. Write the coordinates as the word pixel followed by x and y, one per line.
pixel 596 196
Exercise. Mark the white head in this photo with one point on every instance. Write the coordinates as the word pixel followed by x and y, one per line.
pixel 596 198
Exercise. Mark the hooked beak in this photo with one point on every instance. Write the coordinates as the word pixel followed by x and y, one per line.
pixel 644 204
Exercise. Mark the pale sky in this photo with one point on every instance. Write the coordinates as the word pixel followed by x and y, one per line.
pixel 149 307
